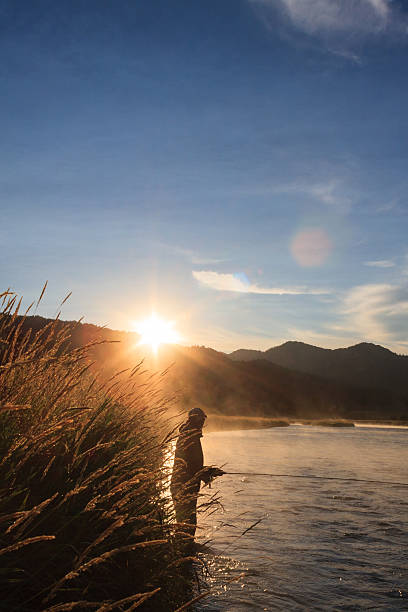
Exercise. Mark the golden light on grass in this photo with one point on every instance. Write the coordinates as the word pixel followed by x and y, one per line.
pixel 155 331
pixel 91 449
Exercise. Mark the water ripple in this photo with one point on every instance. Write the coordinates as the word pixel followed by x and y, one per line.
pixel 318 546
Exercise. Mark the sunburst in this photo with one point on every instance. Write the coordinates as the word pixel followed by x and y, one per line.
pixel 156 331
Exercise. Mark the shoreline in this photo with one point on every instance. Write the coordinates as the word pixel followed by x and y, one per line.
pixel 217 423
pixel 232 423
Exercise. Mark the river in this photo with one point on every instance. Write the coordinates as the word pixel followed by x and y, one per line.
pixel 320 544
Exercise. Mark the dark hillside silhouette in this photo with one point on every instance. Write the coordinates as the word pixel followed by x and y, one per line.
pixel 257 387
pixel 363 365
pixel 260 388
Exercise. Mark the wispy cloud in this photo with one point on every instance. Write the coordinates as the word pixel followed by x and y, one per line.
pixel 195 258
pixel 238 283
pixel 378 312
pixel 373 313
pixel 337 23
pixel 330 193
pixel 387 207
pixel 380 263
pixel 314 16
pixel 322 338
pixel 227 340
pixel 198 260
pixel 404 268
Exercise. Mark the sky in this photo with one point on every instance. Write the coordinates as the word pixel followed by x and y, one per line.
pixel 237 166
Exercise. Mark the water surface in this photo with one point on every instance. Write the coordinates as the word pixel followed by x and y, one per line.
pixel 321 544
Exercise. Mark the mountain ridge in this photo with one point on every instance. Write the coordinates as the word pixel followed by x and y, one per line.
pixel 364 364
pixel 211 379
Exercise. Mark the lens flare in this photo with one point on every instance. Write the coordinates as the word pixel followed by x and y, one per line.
pixel 311 247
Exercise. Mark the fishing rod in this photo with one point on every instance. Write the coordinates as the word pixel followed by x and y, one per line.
pixel 312 477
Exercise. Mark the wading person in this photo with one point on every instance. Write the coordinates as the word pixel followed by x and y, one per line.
pixel 189 471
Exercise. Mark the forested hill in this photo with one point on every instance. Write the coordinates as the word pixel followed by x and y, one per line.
pixel 260 388
pixel 204 377
pixel 362 365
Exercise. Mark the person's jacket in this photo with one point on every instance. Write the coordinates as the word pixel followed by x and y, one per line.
pixel 188 457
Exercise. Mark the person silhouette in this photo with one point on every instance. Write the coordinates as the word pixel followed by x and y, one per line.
pixel 189 471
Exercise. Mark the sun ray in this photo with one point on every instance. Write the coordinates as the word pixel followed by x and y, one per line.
pixel 156 331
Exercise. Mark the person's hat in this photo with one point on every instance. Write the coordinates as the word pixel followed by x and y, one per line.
pixel 197 412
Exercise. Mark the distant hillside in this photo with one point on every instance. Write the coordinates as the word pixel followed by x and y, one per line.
pixel 362 365
pixel 211 380
pixel 112 344
pixel 204 377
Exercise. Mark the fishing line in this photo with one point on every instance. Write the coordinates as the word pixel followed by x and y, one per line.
pixel 383 482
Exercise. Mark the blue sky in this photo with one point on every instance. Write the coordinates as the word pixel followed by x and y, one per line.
pixel 240 166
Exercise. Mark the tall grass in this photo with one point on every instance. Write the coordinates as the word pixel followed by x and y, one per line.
pixel 84 522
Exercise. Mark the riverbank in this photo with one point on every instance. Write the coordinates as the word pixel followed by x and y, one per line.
pixel 327 422
pixel 85 521
pixel 383 423
pixel 232 423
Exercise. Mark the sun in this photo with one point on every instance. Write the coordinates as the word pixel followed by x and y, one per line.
pixel 156 331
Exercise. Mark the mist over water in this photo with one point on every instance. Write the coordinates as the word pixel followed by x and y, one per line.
pixel 321 544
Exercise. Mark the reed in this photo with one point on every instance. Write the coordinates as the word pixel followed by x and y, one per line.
pixel 84 518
